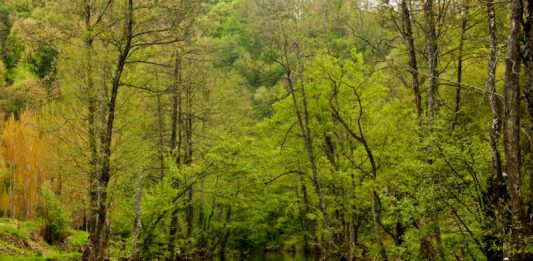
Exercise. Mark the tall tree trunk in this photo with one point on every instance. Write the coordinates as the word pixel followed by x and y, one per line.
pixel 175 147
pixel 307 206
pixel 512 125
pixel 528 91
pixel 303 118
pixel 306 130
pixel 497 191
pixel 375 216
pixel 12 183
pixel 430 30
pixel 227 221
pixel 432 53
pixel 188 157
pixel 190 214
pixel 464 22
pixel 227 233
pixel 176 130
pixel 408 35
pixel 97 245
pixel 91 119
pixel 359 135
pixel 308 142
pixel 161 141
pixel 307 224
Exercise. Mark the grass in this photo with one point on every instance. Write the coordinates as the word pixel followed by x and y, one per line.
pixel 15 227
pixel 52 254
pixel 77 238
pixel 71 256
pixel 7 246
pixel 17 231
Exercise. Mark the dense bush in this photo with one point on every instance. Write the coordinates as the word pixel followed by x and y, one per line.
pixel 55 217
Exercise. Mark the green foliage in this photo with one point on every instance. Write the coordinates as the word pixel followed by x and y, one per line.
pixel 258 125
pixel 42 62
pixel 56 220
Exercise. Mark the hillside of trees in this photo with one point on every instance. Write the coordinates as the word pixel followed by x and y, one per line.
pixel 354 129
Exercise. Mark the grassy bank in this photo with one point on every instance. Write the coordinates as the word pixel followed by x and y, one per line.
pixel 21 240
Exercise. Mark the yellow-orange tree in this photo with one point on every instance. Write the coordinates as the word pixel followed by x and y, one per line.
pixel 24 167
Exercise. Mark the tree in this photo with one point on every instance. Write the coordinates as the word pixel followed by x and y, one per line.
pixel 407 32
pixel 512 128
pixel 23 148
pixel 433 55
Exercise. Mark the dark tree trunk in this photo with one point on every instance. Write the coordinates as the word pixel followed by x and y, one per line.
pixel 310 155
pixel 497 194
pixel 430 30
pixel 226 229
pixel 175 148
pixel 432 53
pixel 188 157
pixel 190 214
pixel 176 130
pixel 306 130
pixel 408 35
pixel 307 223
pixel 359 135
pixel 460 64
pixel 97 245
pixel 161 141
pixel 91 121
pixel 512 125
pixel 528 90
pixel 302 115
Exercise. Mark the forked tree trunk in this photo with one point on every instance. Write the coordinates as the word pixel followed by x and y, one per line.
pixel 303 119
pixel 97 245
pixel 306 130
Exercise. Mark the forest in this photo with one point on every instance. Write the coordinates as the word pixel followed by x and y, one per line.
pixel 218 129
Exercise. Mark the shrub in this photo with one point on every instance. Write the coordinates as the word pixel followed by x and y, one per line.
pixel 55 218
